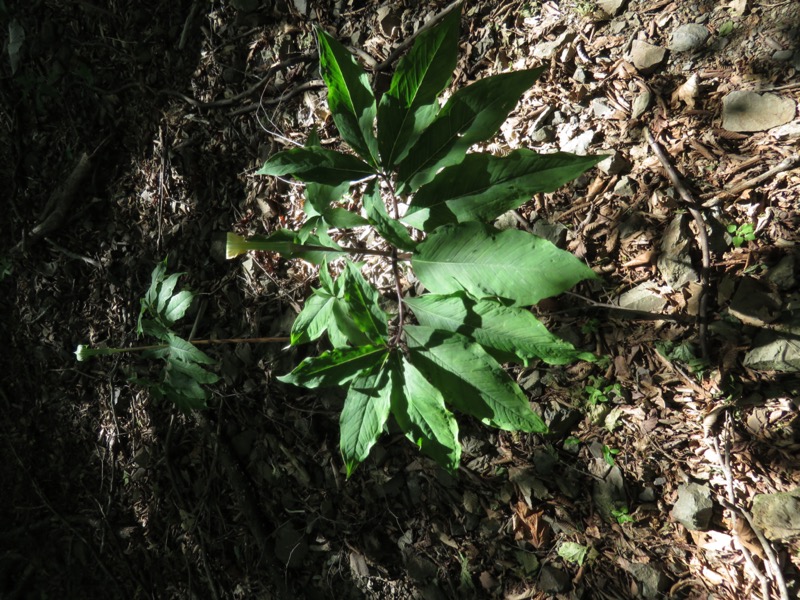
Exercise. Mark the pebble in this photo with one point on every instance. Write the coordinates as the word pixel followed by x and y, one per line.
pixel 688 37
pixel 646 57
pixel 640 104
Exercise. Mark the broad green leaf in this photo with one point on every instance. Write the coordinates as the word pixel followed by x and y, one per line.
pixel 177 306
pixel 316 165
pixel 472 114
pixel 365 412
pixel 283 242
pixel 165 289
pixel 418 407
pixel 410 104
pixel 313 320
pixel 154 328
pixel 512 331
pixel 482 186
pixel 390 229
pixel 193 371
pixel 476 384
pixel 361 300
pixel 335 367
pixel 350 97
pixel 186 351
pixel 343 218
pixel 512 264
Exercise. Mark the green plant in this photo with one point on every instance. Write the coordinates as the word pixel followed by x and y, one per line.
pixel 431 202
pixel 609 454
pixel 741 234
pixel 622 516
pixel 577 553
pixel 685 353
pixel 598 391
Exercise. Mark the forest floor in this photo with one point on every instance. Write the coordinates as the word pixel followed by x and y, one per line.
pixel 110 492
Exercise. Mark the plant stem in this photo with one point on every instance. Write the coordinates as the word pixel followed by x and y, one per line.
pixel 260 340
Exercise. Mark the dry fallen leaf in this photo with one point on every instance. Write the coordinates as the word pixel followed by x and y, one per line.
pixel 688 92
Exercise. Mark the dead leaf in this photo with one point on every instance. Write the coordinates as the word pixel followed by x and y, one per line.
pixel 688 92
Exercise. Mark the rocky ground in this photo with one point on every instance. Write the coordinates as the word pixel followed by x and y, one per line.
pixel 133 132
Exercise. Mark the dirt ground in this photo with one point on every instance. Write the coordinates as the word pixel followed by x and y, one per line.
pixel 144 123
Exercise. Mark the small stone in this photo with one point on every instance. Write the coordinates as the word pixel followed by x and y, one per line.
pixel 748 111
pixel 651 578
pixel 544 134
pixel 580 75
pixel 553 580
pixel 646 57
pixel 782 275
pixel 611 7
pixel 783 55
pixel 552 232
pixel 640 104
pixel 778 515
pixel 625 187
pixel 694 507
pixel 773 354
pixel 614 164
pixel 601 108
pixel 547 50
pixel 645 296
pixel 688 37
pixel 579 144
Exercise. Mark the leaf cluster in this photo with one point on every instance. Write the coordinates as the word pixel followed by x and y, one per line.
pixel 183 372
pixel 432 202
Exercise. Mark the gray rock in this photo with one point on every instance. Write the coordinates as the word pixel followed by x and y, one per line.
pixel 778 515
pixel 646 57
pixel 644 296
pixel 748 111
pixel 601 108
pixel 674 262
pixel 608 493
pixel 640 104
pixel 625 187
pixel 580 75
pixel 774 354
pixel 754 304
pixel 553 580
pixel 651 579
pixel 694 507
pixel 544 134
pixel 688 37
pixel 783 55
pixel 611 7
pixel 552 232
pixel 782 275
pixel 614 164
pixel 580 144
pixel 547 50
pixel 291 546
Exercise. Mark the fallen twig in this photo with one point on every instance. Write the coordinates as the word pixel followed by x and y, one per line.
pixel 691 205
pixel 786 164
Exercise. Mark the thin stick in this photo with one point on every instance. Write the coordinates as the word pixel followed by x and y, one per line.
pixel 785 165
pixel 691 205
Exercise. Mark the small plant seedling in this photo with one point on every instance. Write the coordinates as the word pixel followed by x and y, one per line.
pixel 685 353
pixel 598 391
pixel 622 516
pixel 741 234
pixel 609 454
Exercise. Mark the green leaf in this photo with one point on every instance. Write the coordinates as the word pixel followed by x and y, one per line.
pixel 313 320
pixel 343 218
pixel 472 114
pixel 165 289
pixel 192 371
pixel 484 262
pixel 335 367
pixel 316 165
pixel 177 306
pixel 186 351
pixel 350 97
pixel 476 384
pixel 573 552
pixel 365 412
pixel 410 104
pixel 482 187
pixel 362 304
pixel 512 331
pixel 390 229
pixel 418 407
